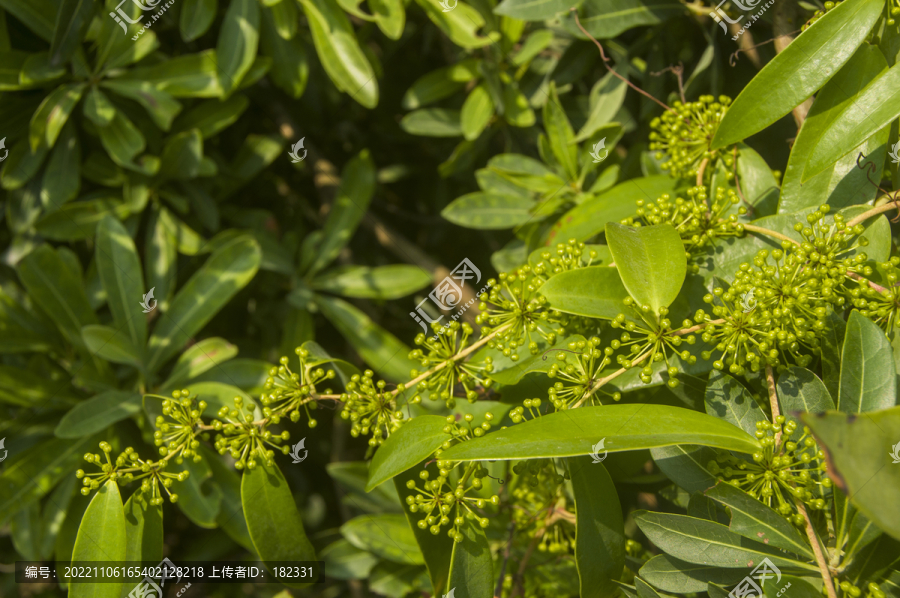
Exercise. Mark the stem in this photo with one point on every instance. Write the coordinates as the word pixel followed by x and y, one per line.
pixel 773 401
pixel 873 212
pixel 697 327
pixel 817 550
pixel 596 386
pixel 764 231
pixel 700 171
pixel 612 70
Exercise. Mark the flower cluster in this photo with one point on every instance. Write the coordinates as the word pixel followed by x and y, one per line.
pixel 287 392
pixel 791 470
pixel 541 513
pixel 371 408
pixel 245 438
pixel 575 379
pixel 882 304
pixel 685 132
pixel 514 304
pixel 129 467
pixel 652 341
pixel 567 256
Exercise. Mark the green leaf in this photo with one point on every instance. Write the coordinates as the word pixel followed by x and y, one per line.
pixel 868 379
pixel 71 20
pixel 143 534
pixel 26 533
pixel 476 112
pixel 199 358
pixel 797 72
pixel 57 291
pixel 272 517
pixel 471 566
pixel 37 15
pixel 161 106
pixel 238 40
pixel 387 536
pixel 98 413
pixel 801 391
pixel 673 575
pixel 526 172
pixel 212 116
pixel 353 197
pixel 345 561
pixel 182 156
pixel 460 24
pixel 708 543
pixel 231 513
pixel 188 76
pixel 123 279
pixel 101 537
pixel 379 348
pixel 606 99
pixel 651 262
pixel 727 399
pixel 98 108
pixel 686 465
pixel 199 497
pixel 590 218
pixel 624 427
pixel 21 165
pixel 871 110
pixel 560 133
pixel 599 528
pixel 161 255
pixel 752 519
pixel 440 83
pixel 62 177
pixel 488 211
pixel 382 282
pixel 196 17
pixel 412 443
pixel 290 66
pixel 111 344
pixel 344 61
pixel 226 272
pixel 52 115
pixel 54 514
pixel 844 184
pixel 122 140
pixel 798 587
pixel 858 452
pixel 534 10
pixel 606 19
pixel 433 122
pixel 390 16
pixel 593 292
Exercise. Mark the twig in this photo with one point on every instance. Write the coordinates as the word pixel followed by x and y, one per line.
pixel 678 71
pixel 612 70
pixel 817 550
pixel 773 401
pixel 873 212
pixel 750 50
pixel 701 170
pixel 764 231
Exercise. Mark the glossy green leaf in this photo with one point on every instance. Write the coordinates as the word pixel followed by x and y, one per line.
pixel 651 262
pixel 57 291
pixel 37 15
pixel 471 566
pixel 161 253
pixel 673 575
pixel 727 399
pixel 599 528
pixel 199 496
pixel 686 465
pixel 476 112
pixel 383 282
pixel 101 537
pixel 461 24
pixel 211 116
pixel 801 391
pixel 796 586
pixel 143 534
pixel 606 19
pixel 231 513
pixel 26 533
pixel 272 517
pixel 843 184
pixel 226 272
pixel 238 41
pixel 390 16
pixel 353 197
pixel 52 115
pixel 188 76
pixel 21 165
pixel 488 211
pixel 196 17
pixel 339 51
pixel 440 83
pixel 123 279
pixel 752 519
pixel 858 449
pixel 560 134
pixel 182 156
pixel 590 218
pixel 593 292
pixel 98 413
pixel 122 140
pixel 704 542
pixel 54 514
pixel 408 446
pixel 62 177
pixel 290 66
pixel 625 428
pixel 433 122
pixel 344 561
pixel 111 344
pixel 799 71
pixel 534 10
pixel 199 358
pixel 526 172
pixel 387 536
pixel 868 379
pixel 387 354
pixel 72 19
